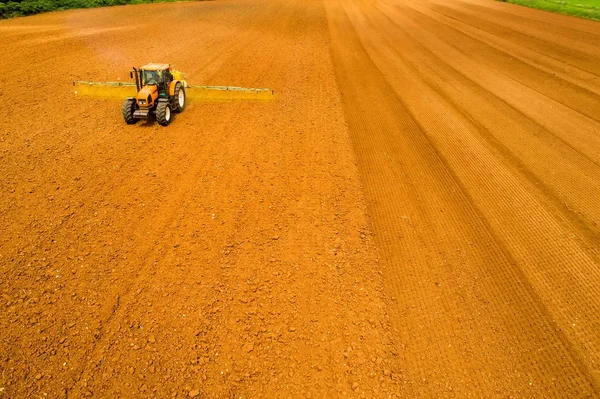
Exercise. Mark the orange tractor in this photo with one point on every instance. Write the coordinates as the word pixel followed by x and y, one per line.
pixel 160 92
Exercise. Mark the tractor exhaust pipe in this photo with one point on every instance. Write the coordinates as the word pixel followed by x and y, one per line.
pixel 137 78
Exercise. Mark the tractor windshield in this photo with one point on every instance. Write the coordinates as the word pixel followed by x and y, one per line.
pixel 151 77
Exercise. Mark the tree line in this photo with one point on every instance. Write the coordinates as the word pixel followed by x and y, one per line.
pixel 15 8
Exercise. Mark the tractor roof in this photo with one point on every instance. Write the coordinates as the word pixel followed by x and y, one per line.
pixel 154 66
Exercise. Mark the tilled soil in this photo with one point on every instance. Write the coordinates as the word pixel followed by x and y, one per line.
pixel 414 214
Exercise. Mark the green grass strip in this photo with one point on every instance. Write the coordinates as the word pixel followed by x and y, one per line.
pixel 17 8
pixel 580 8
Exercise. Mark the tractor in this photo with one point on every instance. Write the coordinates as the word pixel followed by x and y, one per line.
pixel 160 92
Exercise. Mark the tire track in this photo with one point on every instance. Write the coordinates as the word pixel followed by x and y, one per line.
pixel 585 58
pixel 554 19
pixel 445 209
pixel 537 59
pixel 569 37
pixel 574 186
pixel 560 122
pixel 545 83
pixel 549 285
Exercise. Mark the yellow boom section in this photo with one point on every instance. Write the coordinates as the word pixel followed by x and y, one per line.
pixel 121 90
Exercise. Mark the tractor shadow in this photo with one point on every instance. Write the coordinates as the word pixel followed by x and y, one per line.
pixel 152 122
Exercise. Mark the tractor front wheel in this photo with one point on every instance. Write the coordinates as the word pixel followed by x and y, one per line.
pixel 178 99
pixel 163 113
pixel 129 107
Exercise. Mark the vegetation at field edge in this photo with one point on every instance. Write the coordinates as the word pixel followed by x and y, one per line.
pixel 580 8
pixel 15 8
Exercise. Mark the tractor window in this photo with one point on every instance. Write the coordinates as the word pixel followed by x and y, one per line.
pixel 151 77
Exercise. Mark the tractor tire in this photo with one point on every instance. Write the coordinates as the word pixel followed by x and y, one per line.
pixel 163 113
pixel 129 107
pixel 178 100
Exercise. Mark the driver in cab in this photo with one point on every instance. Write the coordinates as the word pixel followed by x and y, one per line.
pixel 152 78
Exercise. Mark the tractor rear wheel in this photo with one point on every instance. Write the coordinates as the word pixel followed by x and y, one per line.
pixel 178 99
pixel 129 107
pixel 163 113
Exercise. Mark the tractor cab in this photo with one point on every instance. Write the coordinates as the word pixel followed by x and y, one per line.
pixel 155 78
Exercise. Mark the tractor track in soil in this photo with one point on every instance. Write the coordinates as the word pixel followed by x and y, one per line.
pixel 414 215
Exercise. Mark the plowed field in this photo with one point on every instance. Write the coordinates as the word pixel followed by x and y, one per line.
pixel 415 214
